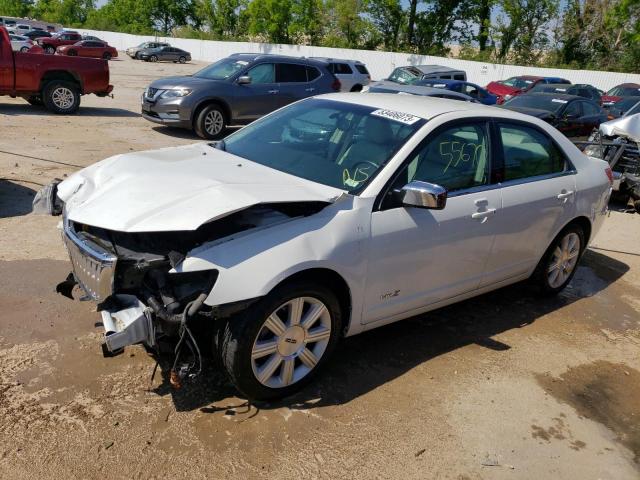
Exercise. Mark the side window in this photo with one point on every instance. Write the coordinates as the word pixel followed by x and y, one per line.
pixel 445 77
pixel 590 108
pixel 290 73
pixel 343 68
pixel 362 69
pixel 573 110
pixel 528 153
pixel 312 73
pixel 459 77
pixel 455 158
pixel 471 91
pixel 263 73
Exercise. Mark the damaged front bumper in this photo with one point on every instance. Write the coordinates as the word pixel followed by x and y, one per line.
pixel 127 321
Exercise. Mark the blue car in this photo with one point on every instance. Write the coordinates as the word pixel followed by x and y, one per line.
pixel 471 89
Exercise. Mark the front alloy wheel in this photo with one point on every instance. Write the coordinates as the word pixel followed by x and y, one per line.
pixel 279 343
pixel 291 342
pixel 210 122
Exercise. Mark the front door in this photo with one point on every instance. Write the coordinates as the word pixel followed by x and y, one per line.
pixel 419 257
pixel 257 98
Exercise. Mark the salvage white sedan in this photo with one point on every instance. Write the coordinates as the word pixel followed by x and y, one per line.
pixel 329 217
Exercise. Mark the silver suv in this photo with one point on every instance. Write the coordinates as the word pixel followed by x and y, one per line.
pixel 235 91
pixel 353 74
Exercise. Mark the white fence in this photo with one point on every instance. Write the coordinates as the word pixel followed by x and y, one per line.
pixel 380 64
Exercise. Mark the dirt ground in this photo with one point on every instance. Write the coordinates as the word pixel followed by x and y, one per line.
pixel 504 386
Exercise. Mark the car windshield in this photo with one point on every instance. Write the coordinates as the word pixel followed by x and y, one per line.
pixel 518 82
pixel 624 91
pixel 222 69
pixel 405 75
pixel 550 103
pixel 338 144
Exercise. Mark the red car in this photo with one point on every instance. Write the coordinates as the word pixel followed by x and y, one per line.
pixel 618 92
pixel 511 87
pixel 49 44
pixel 88 48
pixel 50 80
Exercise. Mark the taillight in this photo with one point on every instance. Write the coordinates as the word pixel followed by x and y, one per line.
pixel 609 175
pixel 336 85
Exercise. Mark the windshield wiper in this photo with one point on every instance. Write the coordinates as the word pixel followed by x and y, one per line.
pixel 219 145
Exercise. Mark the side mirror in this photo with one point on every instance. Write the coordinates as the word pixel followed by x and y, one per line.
pixel 244 80
pixel 424 195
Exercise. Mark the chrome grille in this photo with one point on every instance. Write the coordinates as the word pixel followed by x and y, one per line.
pixel 93 267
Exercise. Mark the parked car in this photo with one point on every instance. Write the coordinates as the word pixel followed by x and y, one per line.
pixel 22 28
pixel 619 91
pixel 51 28
pixel 580 89
pixel 20 43
pixel 164 54
pixel 330 217
pixel 91 37
pixel 353 74
pixel 55 81
pixel 88 48
pixel 235 90
pixel 572 115
pixel 9 23
pixel 511 87
pixel 624 107
pixel 420 90
pixel 470 89
pixel 411 74
pixel 35 34
pixel 133 51
pixel 50 44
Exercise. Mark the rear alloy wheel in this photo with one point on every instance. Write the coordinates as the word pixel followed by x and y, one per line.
pixel 49 49
pixel 24 49
pixel 558 265
pixel 210 123
pixel 182 59
pixel 73 53
pixel 275 347
pixel 61 97
pixel 153 58
pixel 106 56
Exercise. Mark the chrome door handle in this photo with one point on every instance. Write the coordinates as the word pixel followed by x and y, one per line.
pixel 274 91
pixel 310 89
pixel 564 195
pixel 484 214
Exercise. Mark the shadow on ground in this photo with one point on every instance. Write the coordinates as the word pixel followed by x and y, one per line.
pixel 15 199
pixel 26 109
pixel 186 134
pixel 367 361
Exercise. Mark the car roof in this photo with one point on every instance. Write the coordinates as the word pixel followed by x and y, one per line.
pixel 434 68
pixel 445 81
pixel 253 57
pixel 560 96
pixel 329 59
pixel 530 77
pixel 420 106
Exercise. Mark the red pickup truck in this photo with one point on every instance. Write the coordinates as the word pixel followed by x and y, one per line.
pixel 52 80
pixel 50 44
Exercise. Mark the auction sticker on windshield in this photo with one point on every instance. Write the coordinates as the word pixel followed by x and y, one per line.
pixel 405 118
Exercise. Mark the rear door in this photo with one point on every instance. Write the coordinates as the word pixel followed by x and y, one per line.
pixel 6 65
pixel 571 122
pixel 292 83
pixel 538 198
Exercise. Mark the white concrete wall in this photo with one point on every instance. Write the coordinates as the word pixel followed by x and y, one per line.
pixel 379 64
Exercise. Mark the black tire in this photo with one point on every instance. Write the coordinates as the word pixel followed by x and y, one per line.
pixel 72 53
pixel 24 49
pixel 636 205
pixel 182 59
pixel 50 49
pixel 136 56
pixel 240 332
pixel 153 58
pixel 211 114
pixel 35 100
pixel 106 56
pixel 61 97
pixel 356 88
pixel 540 277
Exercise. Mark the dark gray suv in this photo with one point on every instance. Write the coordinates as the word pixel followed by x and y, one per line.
pixel 234 91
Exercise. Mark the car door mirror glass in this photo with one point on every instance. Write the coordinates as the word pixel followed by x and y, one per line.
pixel 424 195
pixel 244 80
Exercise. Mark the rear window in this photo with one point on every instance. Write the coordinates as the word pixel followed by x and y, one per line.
pixel 362 69
pixel 458 77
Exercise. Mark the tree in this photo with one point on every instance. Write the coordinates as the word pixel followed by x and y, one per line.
pixel 131 16
pixel 388 17
pixel 270 18
pixel 15 8
pixel 222 17
pixel 67 12
pixel 437 26
pixel 307 21
pixel 167 14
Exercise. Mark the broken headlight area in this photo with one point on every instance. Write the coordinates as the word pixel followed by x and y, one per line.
pixel 46 201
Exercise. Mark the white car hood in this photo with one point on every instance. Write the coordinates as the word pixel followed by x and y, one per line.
pixel 623 127
pixel 178 188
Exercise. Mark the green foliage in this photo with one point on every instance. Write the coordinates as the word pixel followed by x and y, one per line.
pixel 594 34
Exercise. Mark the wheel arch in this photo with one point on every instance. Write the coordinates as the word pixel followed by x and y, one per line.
pixel 211 101
pixel 63 75
pixel 331 280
